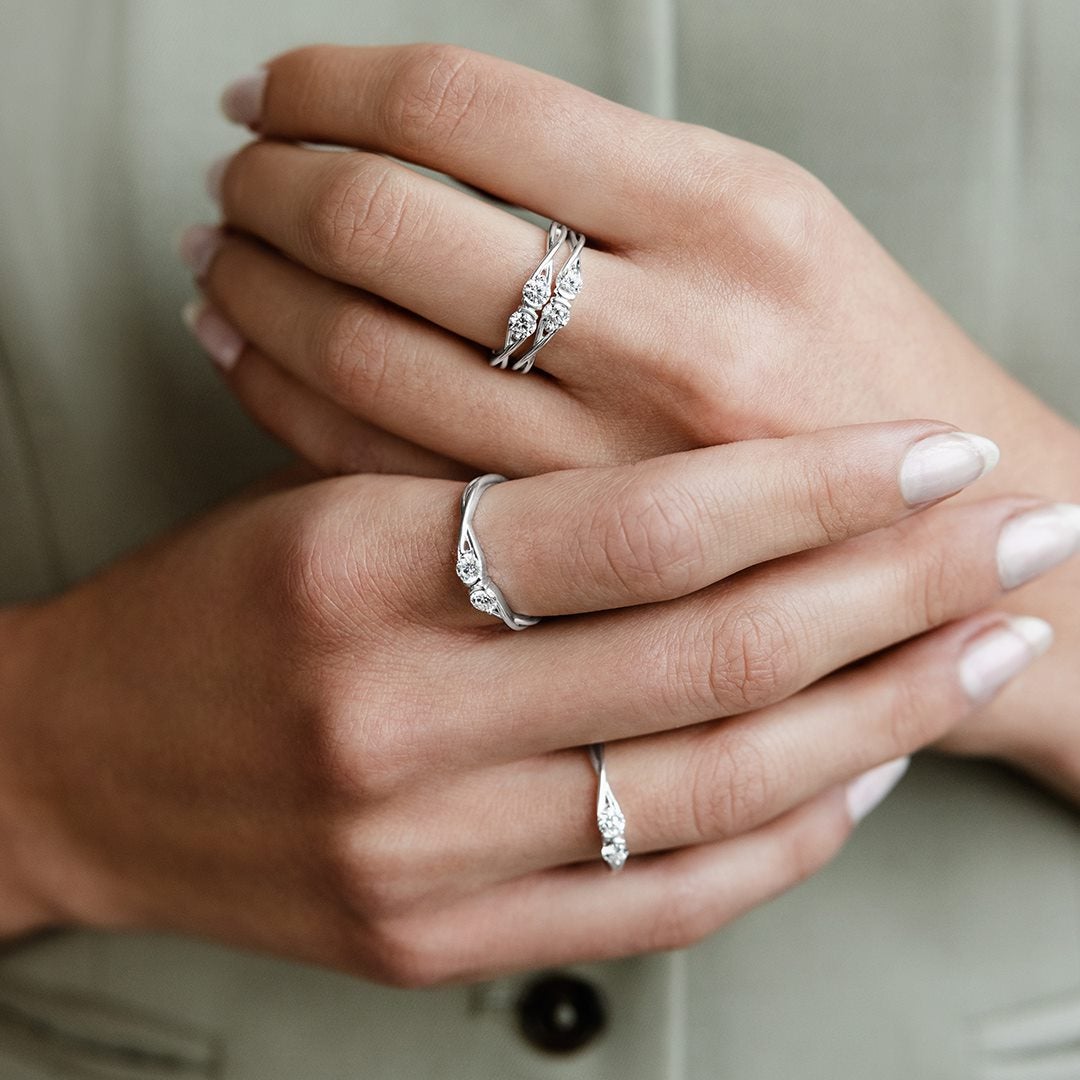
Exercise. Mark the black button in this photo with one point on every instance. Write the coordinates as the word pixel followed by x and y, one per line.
pixel 561 1013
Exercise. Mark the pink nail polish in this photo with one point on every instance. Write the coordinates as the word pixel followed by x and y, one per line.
pixel 242 100
pixel 198 246
pixel 213 332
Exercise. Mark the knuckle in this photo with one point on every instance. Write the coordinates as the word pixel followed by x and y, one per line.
pixel 729 786
pixel 431 91
pixel 395 952
pixel 834 498
pixel 358 214
pixel 938 582
pixel 647 539
pixel 753 658
pixel 352 354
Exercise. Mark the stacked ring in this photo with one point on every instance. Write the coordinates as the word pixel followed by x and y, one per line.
pixel 545 303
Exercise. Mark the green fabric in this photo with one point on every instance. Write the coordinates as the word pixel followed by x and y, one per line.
pixel 944 942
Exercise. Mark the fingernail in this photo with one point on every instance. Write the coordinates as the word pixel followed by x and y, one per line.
pixel 242 100
pixel 215 175
pixel 1037 541
pixel 942 465
pixel 198 246
pixel 999 655
pixel 213 332
pixel 866 791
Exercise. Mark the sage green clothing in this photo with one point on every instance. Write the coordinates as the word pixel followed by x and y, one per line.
pixel 945 941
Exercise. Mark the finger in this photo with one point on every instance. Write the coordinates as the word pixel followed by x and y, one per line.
pixel 591 539
pixel 332 439
pixel 758 638
pixel 717 780
pixel 583 913
pixel 450 258
pixel 389 368
pixel 525 136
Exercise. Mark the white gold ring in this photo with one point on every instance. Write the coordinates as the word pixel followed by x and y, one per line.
pixel 484 594
pixel 610 819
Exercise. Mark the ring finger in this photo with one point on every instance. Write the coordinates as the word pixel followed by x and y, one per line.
pixel 365 220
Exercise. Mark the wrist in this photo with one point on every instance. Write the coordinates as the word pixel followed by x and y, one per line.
pixel 32 875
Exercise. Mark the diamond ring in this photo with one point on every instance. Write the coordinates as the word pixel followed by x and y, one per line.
pixel 484 594
pixel 545 303
pixel 610 819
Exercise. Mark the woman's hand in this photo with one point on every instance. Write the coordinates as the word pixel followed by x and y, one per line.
pixel 285 726
pixel 728 295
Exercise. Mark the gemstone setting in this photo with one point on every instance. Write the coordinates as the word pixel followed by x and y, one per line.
pixel 520 324
pixel 483 599
pixel 468 567
pixel 555 316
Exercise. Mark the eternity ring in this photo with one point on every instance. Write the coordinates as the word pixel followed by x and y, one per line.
pixel 484 594
pixel 544 310
pixel 610 819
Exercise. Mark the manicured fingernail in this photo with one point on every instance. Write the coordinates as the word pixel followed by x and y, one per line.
pixel 1000 654
pixel 1037 541
pixel 866 791
pixel 942 465
pixel 213 332
pixel 242 100
pixel 198 246
pixel 214 177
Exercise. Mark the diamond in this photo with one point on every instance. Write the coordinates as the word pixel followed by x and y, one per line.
pixel 614 853
pixel 569 282
pixel 555 316
pixel 485 600
pixel 611 822
pixel 537 289
pixel 468 568
pixel 521 324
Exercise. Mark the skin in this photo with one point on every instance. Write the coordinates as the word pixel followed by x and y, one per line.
pixel 728 296
pixel 284 727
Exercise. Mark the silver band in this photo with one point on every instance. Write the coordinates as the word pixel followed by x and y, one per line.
pixel 484 594
pixel 610 819
pixel 545 305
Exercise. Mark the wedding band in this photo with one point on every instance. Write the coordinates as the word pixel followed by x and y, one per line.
pixel 484 594
pixel 545 306
pixel 610 819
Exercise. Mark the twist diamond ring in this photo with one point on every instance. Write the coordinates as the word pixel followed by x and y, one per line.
pixel 545 304
pixel 610 819
pixel 484 594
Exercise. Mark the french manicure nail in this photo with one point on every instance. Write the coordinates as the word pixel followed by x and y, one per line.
pixel 866 791
pixel 198 246
pixel 214 177
pixel 242 100
pixel 1000 654
pixel 213 332
pixel 1032 543
pixel 942 465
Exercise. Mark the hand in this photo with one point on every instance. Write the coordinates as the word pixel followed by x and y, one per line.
pixel 285 727
pixel 728 295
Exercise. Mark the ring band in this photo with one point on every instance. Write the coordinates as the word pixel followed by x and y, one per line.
pixel 545 307
pixel 484 594
pixel 610 819
pixel 535 294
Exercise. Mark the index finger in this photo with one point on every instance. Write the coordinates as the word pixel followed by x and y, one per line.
pixel 529 138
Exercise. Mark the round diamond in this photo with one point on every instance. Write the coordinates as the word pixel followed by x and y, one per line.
pixel 521 324
pixel 536 291
pixel 611 823
pixel 615 853
pixel 569 282
pixel 484 600
pixel 556 315
pixel 468 568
